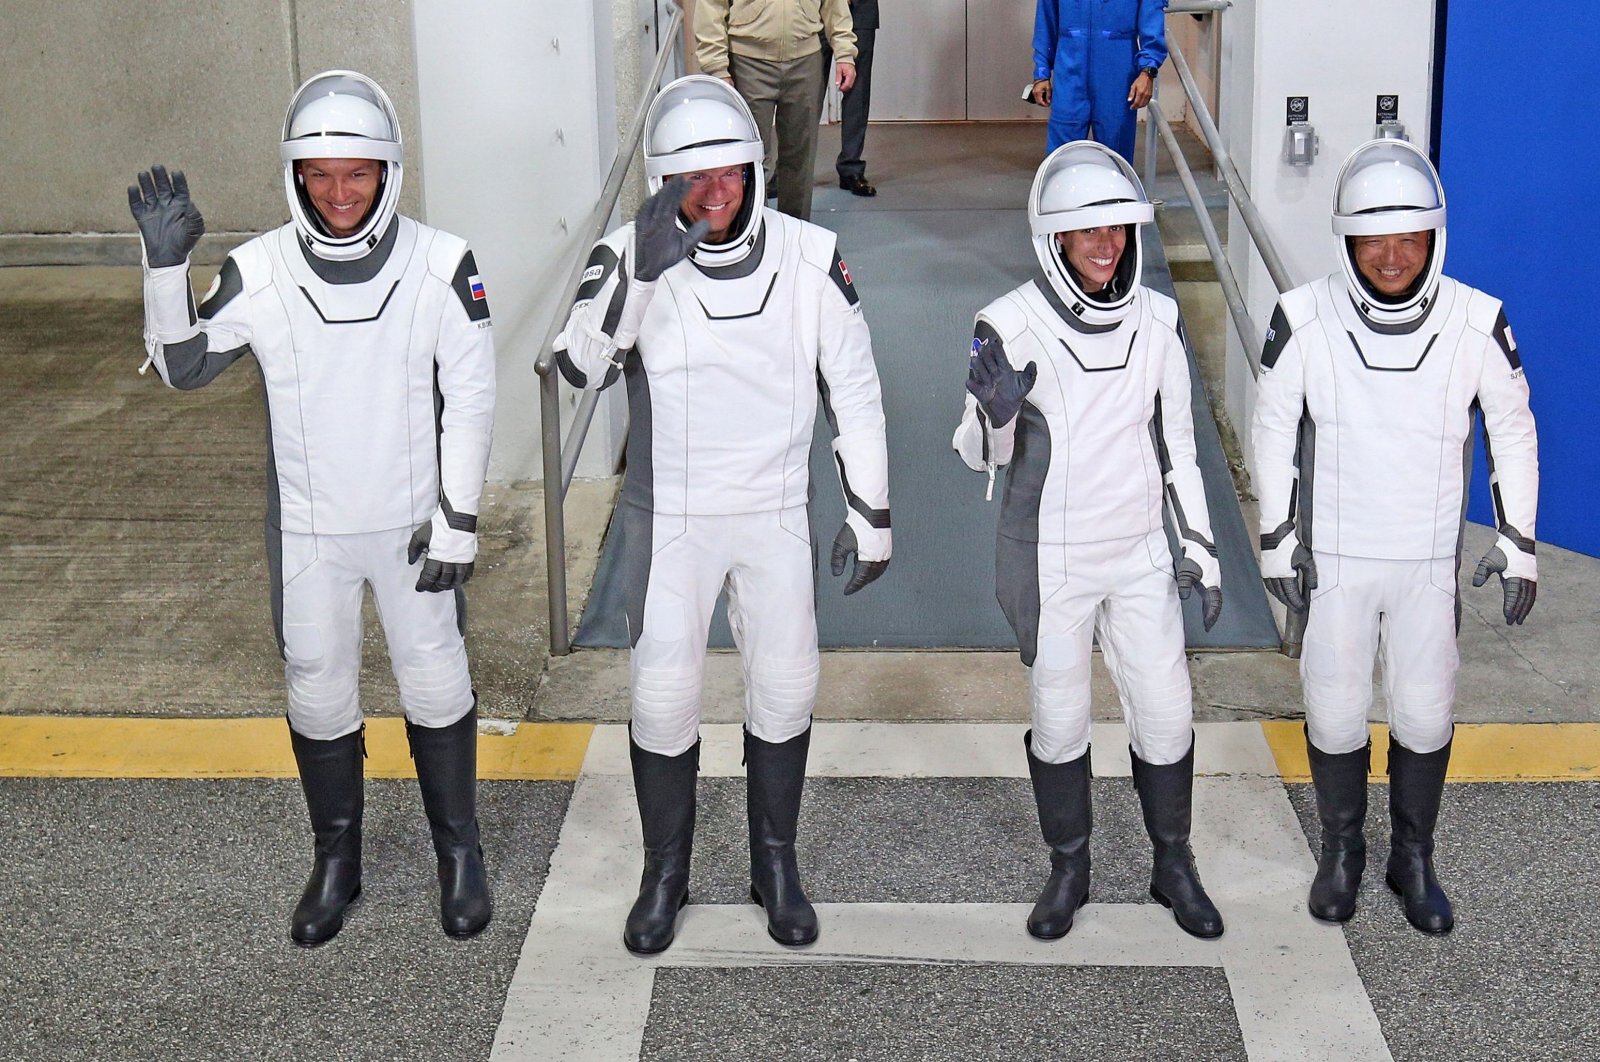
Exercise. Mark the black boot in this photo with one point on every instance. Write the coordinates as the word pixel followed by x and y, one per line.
pixel 1416 785
pixel 1061 790
pixel 447 772
pixel 1341 785
pixel 664 788
pixel 331 775
pixel 1166 793
pixel 776 775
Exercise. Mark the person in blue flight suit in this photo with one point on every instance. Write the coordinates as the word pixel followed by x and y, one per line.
pixel 1094 66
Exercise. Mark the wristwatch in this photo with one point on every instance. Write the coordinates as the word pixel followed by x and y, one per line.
pixel 1151 70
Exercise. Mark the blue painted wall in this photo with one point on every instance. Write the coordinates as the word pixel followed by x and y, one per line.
pixel 1517 149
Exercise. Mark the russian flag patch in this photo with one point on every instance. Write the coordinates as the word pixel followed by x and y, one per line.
pixel 475 285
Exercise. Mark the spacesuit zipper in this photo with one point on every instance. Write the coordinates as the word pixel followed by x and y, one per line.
pixel 988 461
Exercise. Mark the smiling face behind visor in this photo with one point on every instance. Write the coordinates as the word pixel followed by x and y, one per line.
pixel 716 197
pixel 1389 216
pixel 1084 202
pixel 700 125
pixel 335 118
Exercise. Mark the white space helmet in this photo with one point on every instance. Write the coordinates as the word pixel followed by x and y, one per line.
pixel 1389 186
pixel 341 114
pixel 701 123
pixel 1084 185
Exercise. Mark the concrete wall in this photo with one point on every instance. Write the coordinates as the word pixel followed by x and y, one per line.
pixel 95 92
pixel 1341 56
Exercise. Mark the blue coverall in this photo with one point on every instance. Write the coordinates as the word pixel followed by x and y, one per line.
pixel 1091 50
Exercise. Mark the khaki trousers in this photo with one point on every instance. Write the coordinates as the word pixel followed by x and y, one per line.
pixel 785 98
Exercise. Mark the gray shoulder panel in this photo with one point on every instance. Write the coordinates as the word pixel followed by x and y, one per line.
pixel 468 286
pixel 228 284
pixel 1278 333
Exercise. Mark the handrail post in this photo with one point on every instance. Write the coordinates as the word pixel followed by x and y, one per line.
pixel 555 527
pixel 558 466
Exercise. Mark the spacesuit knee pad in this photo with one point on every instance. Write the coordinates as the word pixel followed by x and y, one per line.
pixel 1161 720
pixel 1423 718
pixel 1061 717
pixel 323 702
pixel 1336 707
pixel 666 709
pixel 1336 728
pixel 436 695
pixel 780 696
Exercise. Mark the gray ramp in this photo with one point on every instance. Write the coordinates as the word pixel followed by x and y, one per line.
pixel 922 274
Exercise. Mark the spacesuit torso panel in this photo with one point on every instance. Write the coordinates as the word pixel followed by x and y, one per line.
pixel 1392 416
pixel 1095 396
pixel 349 372
pixel 731 369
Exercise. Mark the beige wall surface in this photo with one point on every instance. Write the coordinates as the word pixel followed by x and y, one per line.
pixel 96 91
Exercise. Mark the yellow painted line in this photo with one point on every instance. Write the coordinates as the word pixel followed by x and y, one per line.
pixel 1483 752
pixel 80 747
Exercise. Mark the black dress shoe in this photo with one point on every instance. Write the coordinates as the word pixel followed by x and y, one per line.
pixel 857 186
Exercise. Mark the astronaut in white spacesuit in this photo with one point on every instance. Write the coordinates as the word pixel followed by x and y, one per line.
pixel 724 319
pixel 1079 382
pixel 373 338
pixel 1371 380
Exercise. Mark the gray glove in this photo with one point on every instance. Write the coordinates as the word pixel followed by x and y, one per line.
pixel 658 242
pixel 1189 576
pixel 998 387
pixel 436 575
pixel 1519 593
pixel 169 223
pixel 1295 590
pixel 863 572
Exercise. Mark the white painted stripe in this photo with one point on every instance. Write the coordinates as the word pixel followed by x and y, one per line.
pixel 940 750
pixel 578 994
pixel 1295 988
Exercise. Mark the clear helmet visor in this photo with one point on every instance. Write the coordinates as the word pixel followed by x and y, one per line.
pixel 1085 185
pixel 701 123
pixel 1386 188
pixel 342 114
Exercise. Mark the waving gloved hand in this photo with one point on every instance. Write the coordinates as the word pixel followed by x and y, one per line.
pixel 658 242
pixel 1191 575
pixel 169 223
pixel 998 387
pixel 1520 590
pixel 450 555
pixel 1288 569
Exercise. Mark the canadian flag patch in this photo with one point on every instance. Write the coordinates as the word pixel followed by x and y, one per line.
pixel 846 271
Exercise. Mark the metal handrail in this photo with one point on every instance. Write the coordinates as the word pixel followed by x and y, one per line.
pixel 1230 284
pixel 1230 176
pixel 1294 621
pixel 559 463
pixel 1198 7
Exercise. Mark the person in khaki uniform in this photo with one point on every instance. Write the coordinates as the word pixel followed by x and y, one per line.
pixel 771 51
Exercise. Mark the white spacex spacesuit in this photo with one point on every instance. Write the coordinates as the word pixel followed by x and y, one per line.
pixel 356 342
pixel 1363 440
pixel 724 347
pixel 1082 389
pixel 376 352
pixel 1103 438
pixel 1363 446
pixel 723 357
